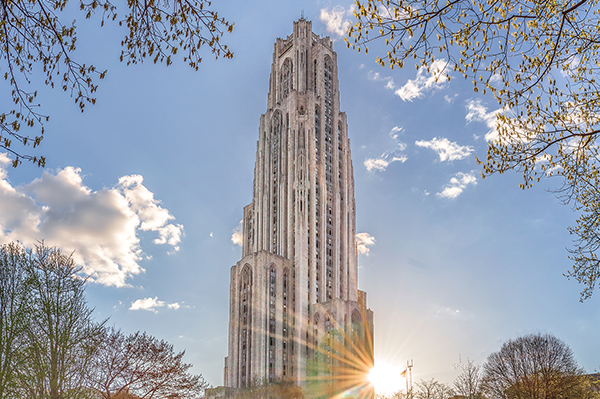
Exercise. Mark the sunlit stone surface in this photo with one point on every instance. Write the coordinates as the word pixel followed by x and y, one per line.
pixel 296 284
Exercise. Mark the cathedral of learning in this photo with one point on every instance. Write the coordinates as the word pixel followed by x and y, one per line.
pixel 296 313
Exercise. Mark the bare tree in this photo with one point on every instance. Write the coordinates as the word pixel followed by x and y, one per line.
pixel 396 395
pixel 142 365
pixel 110 363
pixel 533 366
pixel 432 389
pixel 468 382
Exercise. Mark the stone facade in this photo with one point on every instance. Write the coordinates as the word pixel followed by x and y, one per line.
pixel 297 278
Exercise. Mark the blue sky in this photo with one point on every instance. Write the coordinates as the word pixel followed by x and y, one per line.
pixel 148 186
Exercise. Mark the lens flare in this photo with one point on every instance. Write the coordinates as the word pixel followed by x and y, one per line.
pixel 386 378
pixel 339 358
pixel 340 364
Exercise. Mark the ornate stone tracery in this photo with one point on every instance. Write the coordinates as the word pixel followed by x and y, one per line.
pixel 299 228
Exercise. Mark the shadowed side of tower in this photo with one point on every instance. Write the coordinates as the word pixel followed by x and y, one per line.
pixel 295 288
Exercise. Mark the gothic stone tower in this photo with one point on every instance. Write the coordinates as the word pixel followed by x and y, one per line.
pixel 298 274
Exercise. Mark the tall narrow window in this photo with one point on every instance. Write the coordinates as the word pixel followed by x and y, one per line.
pixel 276 155
pixel 287 75
pixel 328 155
pixel 318 132
pixel 342 208
pixel 318 239
pixel 272 321
pixel 315 78
pixel 284 325
pixel 245 292
pixel 358 329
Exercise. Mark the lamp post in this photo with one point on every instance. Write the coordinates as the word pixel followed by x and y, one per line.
pixel 409 365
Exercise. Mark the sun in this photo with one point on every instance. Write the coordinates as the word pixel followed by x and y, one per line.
pixel 386 378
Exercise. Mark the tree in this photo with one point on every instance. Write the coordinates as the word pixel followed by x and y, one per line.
pixel 110 364
pixel 538 59
pixel 33 34
pixel 61 336
pixel 13 318
pixel 51 348
pixel 47 334
pixel 141 365
pixel 533 366
pixel 468 382
pixel 432 389
pixel 396 395
pixel 591 386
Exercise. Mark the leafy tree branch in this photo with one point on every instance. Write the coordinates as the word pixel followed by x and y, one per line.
pixel 538 60
pixel 32 36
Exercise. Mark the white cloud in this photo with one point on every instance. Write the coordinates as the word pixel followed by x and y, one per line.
pixel 152 304
pixel 383 162
pixel 363 242
pixel 388 157
pixel 376 163
pixel 335 20
pixel 101 227
pixel 433 79
pixel 446 149
pixel 476 111
pixel 238 237
pixel 377 77
pixel 457 184
pixel 149 304
pixel 450 99
pixel 394 132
